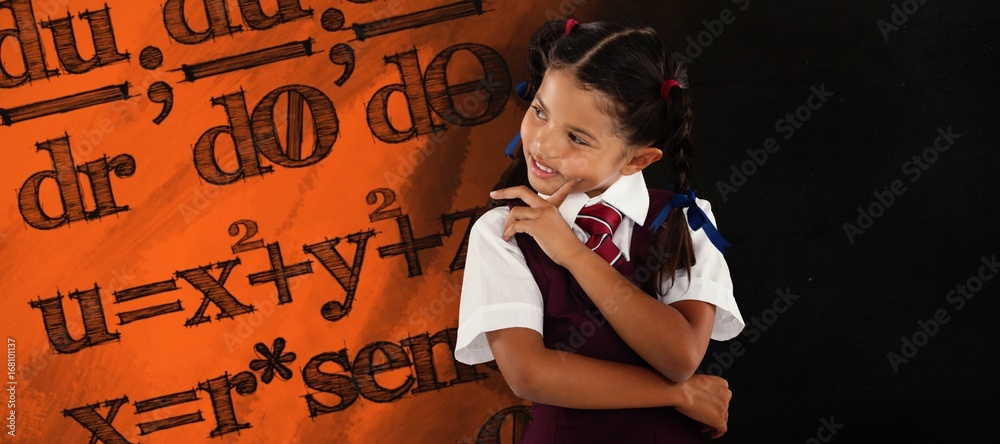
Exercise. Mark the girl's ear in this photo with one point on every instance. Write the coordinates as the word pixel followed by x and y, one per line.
pixel 641 159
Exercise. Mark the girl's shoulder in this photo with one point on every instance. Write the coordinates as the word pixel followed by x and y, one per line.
pixel 488 230
pixel 706 207
pixel 492 221
pixel 704 204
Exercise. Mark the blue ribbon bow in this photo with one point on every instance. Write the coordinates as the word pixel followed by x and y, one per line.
pixel 697 219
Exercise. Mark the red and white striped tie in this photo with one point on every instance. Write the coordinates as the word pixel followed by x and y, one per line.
pixel 601 220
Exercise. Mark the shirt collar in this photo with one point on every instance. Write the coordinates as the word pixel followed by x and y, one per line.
pixel 628 194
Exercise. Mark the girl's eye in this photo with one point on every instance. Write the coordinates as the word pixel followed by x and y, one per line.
pixel 538 112
pixel 576 139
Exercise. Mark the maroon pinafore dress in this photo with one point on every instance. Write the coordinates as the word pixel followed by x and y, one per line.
pixel 573 322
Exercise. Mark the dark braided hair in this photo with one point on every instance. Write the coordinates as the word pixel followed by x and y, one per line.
pixel 626 63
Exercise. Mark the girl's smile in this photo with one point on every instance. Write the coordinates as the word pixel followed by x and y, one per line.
pixel 540 170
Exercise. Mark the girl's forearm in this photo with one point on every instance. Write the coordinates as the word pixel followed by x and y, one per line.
pixel 630 311
pixel 576 381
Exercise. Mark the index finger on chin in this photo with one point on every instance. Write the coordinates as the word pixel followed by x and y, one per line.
pixel 558 197
pixel 521 192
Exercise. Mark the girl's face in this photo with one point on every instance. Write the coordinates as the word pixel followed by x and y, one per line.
pixel 566 136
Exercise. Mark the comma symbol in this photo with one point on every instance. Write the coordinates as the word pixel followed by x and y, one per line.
pixel 343 54
pixel 161 92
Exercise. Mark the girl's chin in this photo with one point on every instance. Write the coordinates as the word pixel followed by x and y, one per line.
pixel 546 187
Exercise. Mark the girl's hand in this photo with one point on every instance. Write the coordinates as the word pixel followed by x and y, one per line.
pixel 541 220
pixel 708 402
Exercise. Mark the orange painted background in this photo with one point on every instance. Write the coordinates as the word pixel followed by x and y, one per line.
pixel 178 221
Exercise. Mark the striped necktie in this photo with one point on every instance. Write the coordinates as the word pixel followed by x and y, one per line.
pixel 601 220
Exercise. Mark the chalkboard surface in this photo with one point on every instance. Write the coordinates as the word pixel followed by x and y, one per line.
pixel 866 240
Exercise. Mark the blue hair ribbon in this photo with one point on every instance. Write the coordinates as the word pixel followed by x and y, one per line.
pixel 697 219
pixel 509 152
pixel 521 89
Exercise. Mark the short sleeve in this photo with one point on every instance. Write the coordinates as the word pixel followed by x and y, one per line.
pixel 710 282
pixel 498 289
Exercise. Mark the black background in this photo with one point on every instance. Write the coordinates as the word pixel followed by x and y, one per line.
pixel 826 356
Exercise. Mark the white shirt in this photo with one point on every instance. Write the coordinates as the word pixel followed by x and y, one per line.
pixel 499 291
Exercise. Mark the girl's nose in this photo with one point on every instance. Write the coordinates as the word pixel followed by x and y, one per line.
pixel 544 148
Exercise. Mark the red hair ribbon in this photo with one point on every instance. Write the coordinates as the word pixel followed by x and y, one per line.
pixel 666 87
pixel 570 23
